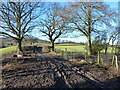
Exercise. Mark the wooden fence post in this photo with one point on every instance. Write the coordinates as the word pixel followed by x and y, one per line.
pixel 85 57
pixel 70 55
pixel 113 59
pixel 116 62
pixel 98 61
pixel 73 55
pixel 102 60
pixel 66 49
pixel 66 54
pixel 62 54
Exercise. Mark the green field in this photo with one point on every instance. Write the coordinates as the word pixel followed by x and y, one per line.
pixel 77 48
pixel 70 47
pixel 80 48
pixel 8 50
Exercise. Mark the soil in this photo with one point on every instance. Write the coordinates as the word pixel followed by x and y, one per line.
pixel 48 70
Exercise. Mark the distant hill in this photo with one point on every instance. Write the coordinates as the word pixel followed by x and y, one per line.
pixel 43 41
pixel 6 42
pixel 32 40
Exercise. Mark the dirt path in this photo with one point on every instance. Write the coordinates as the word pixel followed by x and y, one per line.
pixel 50 71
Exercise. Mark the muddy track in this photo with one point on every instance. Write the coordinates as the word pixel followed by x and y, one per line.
pixel 65 70
pixel 50 72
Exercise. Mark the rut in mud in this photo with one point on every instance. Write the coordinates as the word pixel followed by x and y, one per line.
pixel 49 71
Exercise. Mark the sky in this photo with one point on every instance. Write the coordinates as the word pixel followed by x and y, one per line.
pixel 75 39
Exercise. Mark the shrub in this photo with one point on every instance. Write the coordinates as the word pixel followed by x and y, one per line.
pixel 97 46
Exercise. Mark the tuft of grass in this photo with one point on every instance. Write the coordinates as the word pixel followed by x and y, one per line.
pixel 7 50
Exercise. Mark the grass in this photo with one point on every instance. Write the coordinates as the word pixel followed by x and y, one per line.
pixel 109 50
pixel 80 48
pixel 7 50
pixel 61 44
pixel 71 47
pixel 68 44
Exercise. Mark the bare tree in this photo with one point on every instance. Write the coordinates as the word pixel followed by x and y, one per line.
pixel 17 19
pixel 87 17
pixel 111 37
pixel 30 40
pixel 52 25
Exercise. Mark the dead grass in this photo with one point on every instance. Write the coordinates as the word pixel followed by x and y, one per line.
pixel 113 70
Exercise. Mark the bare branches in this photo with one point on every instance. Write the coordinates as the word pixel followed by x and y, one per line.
pixel 8 35
pixel 53 25
pixel 18 18
pixel 86 15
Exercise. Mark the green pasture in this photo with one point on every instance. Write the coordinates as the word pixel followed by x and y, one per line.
pixel 80 48
pixel 8 50
pixel 61 44
pixel 70 47
pixel 68 44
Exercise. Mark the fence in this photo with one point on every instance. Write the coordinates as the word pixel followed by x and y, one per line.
pixel 94 59
pixel 68 55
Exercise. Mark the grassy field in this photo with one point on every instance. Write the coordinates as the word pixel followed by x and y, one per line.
pixel 71 47
pixel 80 48
pixel 8 50
pixel 61 44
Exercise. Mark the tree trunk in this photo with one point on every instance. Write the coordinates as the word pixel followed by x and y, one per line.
pixel 89 32
pixel 89 45
pixel 106 50
pixel 53 46
pixel 20 44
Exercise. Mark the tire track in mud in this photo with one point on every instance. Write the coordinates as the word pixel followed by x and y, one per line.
pixel 61 73
pixel 62 69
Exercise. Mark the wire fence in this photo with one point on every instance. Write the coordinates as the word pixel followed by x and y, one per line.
pixel 68 55
pixel 108 59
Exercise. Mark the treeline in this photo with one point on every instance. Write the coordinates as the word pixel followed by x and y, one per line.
pixel 90 19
